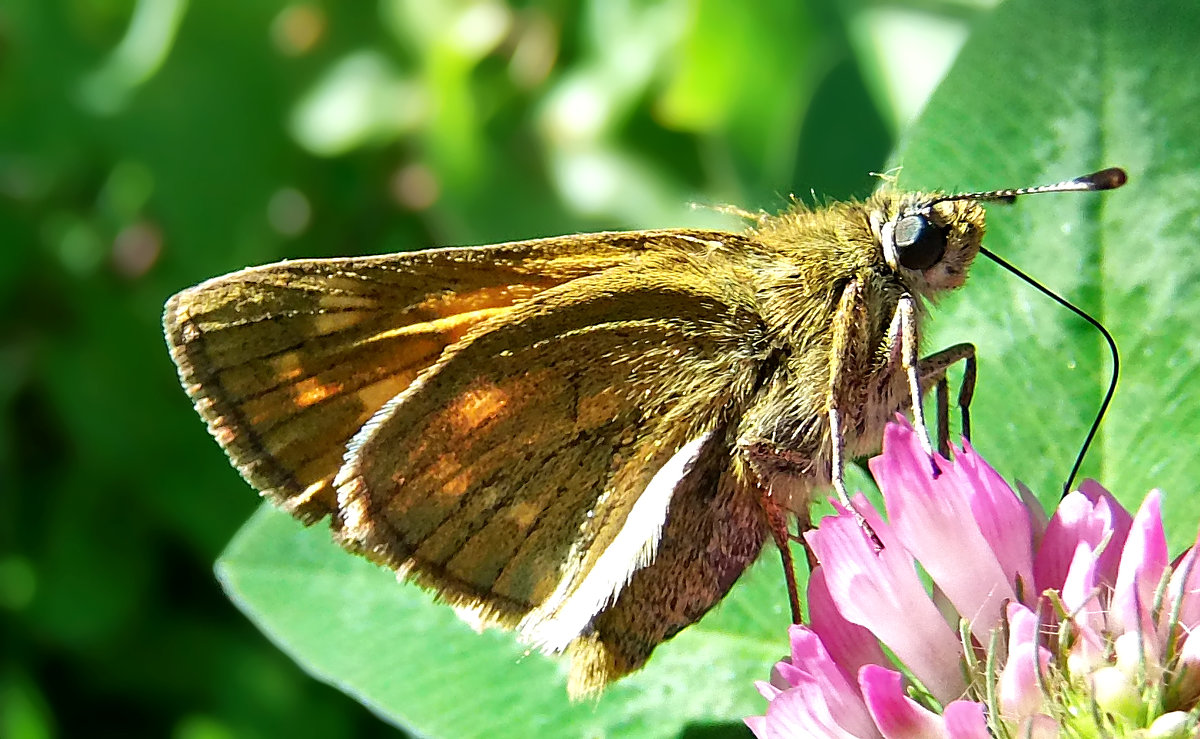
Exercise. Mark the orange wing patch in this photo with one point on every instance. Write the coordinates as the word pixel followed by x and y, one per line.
pixel 476 406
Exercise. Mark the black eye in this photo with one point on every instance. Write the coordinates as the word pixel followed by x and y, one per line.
pixel 919 244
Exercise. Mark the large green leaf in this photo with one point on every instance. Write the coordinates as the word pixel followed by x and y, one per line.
pixel 1043 91
pixel 417 664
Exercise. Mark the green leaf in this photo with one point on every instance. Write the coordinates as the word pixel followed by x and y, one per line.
pixel 1042 92
pixel 1046 92
pixel 416 664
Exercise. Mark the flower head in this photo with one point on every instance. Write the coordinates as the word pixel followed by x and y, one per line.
pixel 979 618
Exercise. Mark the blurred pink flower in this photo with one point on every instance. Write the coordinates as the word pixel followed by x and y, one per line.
pixel 1012 626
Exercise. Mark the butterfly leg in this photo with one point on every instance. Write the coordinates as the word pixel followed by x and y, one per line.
pixel 903 335
pixel 777 522
pixel 847 323
pixel 782 475
pixel 933 371
pixel 943 417
pixel 849 349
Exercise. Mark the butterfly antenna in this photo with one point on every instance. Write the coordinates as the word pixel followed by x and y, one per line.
pixel 1112 347
pixel 1105 179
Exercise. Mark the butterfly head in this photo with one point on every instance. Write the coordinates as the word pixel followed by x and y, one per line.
pixel 931 241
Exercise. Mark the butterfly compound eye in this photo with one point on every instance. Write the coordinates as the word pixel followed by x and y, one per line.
pixel 919 244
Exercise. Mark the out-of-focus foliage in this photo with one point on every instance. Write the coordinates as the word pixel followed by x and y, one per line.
pixel 148 144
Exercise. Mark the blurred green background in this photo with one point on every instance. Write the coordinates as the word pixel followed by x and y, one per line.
pixel 145 146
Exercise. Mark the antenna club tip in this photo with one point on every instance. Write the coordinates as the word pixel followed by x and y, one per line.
pixel 1107 179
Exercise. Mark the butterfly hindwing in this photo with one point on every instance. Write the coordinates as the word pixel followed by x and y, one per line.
pixel 505 474
pixel 714 530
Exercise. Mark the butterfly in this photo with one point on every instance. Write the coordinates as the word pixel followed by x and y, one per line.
pixel 587 438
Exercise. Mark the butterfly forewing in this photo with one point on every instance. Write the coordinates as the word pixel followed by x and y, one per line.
pixel 286 362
